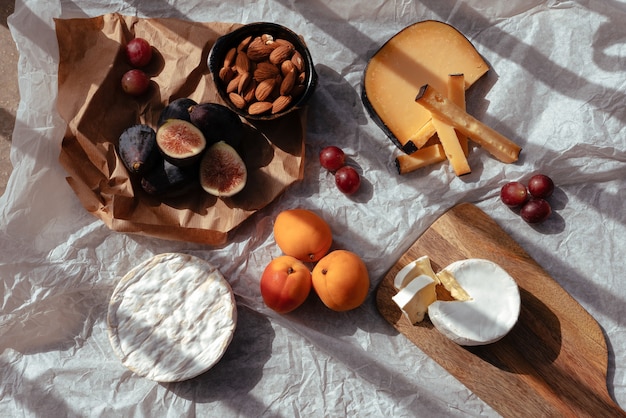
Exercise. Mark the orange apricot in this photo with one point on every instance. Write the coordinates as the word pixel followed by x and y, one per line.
pixel 302 234
pixel 341 280
pixel 285 284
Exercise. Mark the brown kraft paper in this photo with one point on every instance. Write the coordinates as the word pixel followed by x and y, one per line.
pixel 97 111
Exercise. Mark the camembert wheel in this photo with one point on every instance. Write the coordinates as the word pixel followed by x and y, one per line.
pixel 172 317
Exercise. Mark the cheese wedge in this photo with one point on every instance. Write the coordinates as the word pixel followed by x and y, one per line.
pixel 414 298
pixel 432 154
pixel 491 311
pixel 418 267
pixel 171 318
pixel 441 107
pixel 423 53
pixel 452 286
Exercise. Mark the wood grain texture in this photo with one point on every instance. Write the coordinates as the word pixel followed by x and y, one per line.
pixel 554 361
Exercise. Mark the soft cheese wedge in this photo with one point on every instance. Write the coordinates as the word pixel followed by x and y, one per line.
pixel 423 53
pixel 414 298
pixel 415 268
pixel 490 312
pixel 172 317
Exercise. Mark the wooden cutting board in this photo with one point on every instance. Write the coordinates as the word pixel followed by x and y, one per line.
pixel 554 361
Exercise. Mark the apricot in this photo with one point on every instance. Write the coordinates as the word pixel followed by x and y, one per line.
pixel 302 234
pixel 341 280
pixel 285 284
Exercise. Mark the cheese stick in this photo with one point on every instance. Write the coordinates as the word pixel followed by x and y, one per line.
pixel 497 144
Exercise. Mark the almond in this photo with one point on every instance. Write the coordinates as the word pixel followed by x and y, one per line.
pixel 301 77
pixel 233 84
pixel 242 63
pixel 265 70
pixel 248 93
pixel 288 82
pixel 280 54
pixel 264 89
pixel 237 100
pixel 280 41
pixel 226 74
pixel 244 80
pixel 258 50
pixel 258 108
pixel 229 60
pixel 280 104
pixel 297 60
pixel 286 66
pixel 243 45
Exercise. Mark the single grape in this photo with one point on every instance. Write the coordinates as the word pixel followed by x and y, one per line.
pixel 540 186
pixel 138 52
pixel 535 210
pixel 347 180
pixel 135 82
pixel 513 194
pixel 332 158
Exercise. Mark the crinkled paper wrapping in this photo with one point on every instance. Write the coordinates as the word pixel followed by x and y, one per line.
pixel 556 86
pixel 91 100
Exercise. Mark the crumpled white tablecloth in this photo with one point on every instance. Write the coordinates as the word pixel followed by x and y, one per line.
pixel 557 87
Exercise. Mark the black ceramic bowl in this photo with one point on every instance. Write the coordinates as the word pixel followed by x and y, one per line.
pixel 231 40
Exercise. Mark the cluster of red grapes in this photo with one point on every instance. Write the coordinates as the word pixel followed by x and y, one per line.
pixel 347 179
pixel 139 53
pixel 532 198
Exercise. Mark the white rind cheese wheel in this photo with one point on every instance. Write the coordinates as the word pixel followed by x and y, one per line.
pixel 172 317
pixel 491 312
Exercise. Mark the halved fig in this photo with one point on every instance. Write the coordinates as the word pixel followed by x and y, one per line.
pixel 177 109
pixel 180 142
pixel 217 123
pixel 137 148
pixel 222 171
pixel 165 178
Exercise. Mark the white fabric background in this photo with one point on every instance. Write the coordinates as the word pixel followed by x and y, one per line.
pixel 557 87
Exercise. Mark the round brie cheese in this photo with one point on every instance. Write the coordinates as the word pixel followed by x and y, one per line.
pixel 172 317
pixel 489 314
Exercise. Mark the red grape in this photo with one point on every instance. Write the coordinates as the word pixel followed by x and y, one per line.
pixel 332 158
pixel 535 210
pixel 347 180
pixel 138 52
pixel 513 194
pixel 540 186
pixel 135 82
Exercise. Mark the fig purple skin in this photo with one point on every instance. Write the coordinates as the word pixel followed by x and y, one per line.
pixel 166 178
pixel 218 123
pixel 177 109
pixel 138 149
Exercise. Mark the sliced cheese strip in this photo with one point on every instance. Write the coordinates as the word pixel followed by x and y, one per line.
pixel 414 298
pixel 497 144
pixel 491 312
pixel 456 94
pixel 432 154
pixel 423 53
pixel 171 318
pixel 451 146
pixel 415 268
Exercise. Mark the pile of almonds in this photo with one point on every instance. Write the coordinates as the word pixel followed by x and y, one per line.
pixel 263 74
